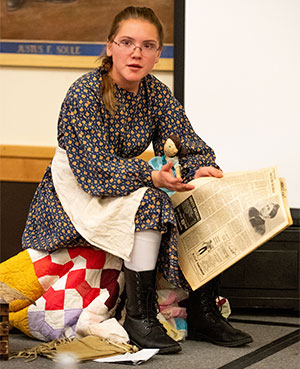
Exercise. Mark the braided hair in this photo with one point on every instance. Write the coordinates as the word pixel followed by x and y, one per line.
pixel 131 12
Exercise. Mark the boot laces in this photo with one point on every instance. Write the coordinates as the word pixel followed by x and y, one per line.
pixel 216 295
pixel 209 298
pixel 152 308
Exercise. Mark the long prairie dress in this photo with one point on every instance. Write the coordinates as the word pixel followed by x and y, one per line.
pixel 102 154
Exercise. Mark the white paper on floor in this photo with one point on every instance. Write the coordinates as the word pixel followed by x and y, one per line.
pixel 135 359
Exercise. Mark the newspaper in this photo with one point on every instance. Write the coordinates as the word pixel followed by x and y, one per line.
pixel 224 219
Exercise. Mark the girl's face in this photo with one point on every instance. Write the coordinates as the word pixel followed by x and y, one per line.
pixel 130 64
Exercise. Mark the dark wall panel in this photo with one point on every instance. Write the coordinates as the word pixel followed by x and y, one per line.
pixel 15 201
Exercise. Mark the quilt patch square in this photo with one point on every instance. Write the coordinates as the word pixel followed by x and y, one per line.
pixel 55 300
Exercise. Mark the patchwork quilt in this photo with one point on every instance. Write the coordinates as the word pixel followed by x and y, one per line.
pixel 63 284
pixel 76 293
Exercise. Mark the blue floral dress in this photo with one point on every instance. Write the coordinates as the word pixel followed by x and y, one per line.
pixel 102 153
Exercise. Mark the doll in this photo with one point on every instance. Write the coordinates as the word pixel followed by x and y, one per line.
pixel 173 150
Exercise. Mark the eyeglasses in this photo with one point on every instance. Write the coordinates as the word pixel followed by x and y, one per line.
pixel 127 46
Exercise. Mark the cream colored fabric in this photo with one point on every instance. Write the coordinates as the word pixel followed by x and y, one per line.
pixel 96 320
pixel 107 223
pixel 109 329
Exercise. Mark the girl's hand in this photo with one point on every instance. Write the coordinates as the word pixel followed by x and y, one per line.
pixel 164 178
pixel 208 172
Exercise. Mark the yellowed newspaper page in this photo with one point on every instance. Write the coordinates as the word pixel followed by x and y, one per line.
pixel 224 219
pixel 285 199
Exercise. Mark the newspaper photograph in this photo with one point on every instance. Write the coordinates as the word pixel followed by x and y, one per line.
pixel 224 219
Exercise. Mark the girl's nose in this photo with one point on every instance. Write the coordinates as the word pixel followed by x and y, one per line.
pixel 140 50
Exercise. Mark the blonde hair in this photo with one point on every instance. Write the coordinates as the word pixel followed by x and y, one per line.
pixel 131 12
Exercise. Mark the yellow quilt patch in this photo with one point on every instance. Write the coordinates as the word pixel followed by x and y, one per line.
pixel 18 272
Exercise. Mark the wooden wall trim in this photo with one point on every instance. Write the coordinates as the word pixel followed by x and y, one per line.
pixel 18 151
pixel 24 163
pixel 28 163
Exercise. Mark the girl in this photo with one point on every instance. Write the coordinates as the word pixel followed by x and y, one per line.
pixel 96 182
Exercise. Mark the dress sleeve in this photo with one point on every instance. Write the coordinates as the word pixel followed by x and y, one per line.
pixel 98 170
pixel 171 119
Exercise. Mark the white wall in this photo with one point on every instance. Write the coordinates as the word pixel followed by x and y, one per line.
pixel 242 83
pixel 30 101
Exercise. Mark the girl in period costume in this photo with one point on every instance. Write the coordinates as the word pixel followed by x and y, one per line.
pixel 98 193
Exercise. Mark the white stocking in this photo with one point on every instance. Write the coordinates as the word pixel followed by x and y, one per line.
pixel 145 251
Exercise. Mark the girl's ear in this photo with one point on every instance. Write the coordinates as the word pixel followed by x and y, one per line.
pixel 108 48
pixel 157 56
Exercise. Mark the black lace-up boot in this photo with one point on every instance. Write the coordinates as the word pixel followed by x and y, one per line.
pixel 141 323
pixel 205 321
